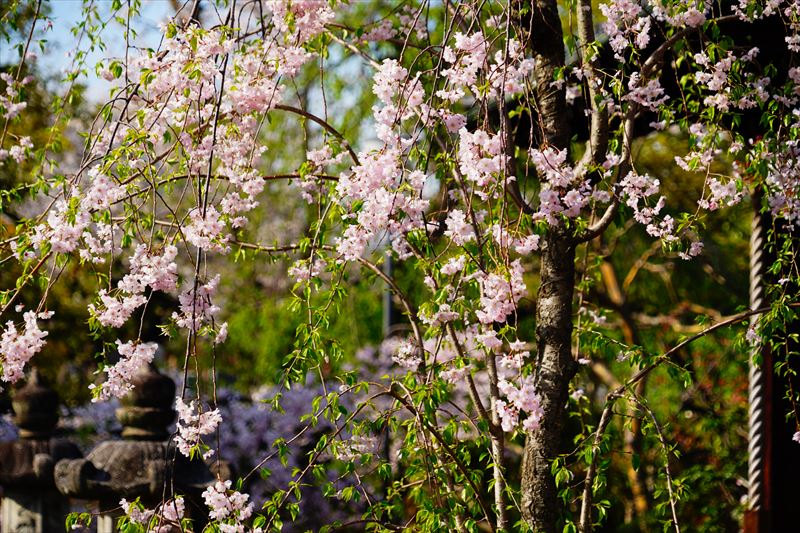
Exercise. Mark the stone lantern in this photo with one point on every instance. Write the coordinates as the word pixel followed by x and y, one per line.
pixel 144 464
pixel 31 503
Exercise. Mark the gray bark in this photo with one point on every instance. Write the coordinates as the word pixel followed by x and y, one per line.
pixel 555 366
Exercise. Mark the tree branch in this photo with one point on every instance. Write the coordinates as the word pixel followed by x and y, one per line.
pixel 585 525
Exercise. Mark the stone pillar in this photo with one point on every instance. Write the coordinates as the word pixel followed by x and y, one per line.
pixel 145 464
pixel 31 503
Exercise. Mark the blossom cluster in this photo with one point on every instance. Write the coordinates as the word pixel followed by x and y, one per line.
pixel 163 519
pixel 683 13
pixel 500 294
pixel 18 347
pixel 481 158
pixel 402 351
pixel 133 357
pixel 196 306
pixel 193 424
pixel 783 182
pixel 624 25
pixel 471 54
pixel 229 507
pixel 720 195
pixel 716 77
pixel 19 151
pixel 648 94
pixel 376 184
pixel 63 229
pixel 389 197
pixel 11 105
pixel 564 192
pixel 636 189
pixel 522 399
pixel 158 272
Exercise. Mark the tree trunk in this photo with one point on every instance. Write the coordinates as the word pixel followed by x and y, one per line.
pixel 546 45
pixel 555 366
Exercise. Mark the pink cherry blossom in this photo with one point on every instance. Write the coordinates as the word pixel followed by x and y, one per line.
pixel 225 503
pixel 133 356
pixel 458 229
pixel 500 294
pixel 205 230
pixel 196 306
pixel 193 424
pixel 18 347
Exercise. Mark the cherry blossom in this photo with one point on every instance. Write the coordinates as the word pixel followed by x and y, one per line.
pixel 205 230
pixel 193 423
pixel 499 295
pixel 521 399
pixel 18 347
pixel 133 356
pixel 227 504
pixel 196 305
pixel 458 229
pixel 115 312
